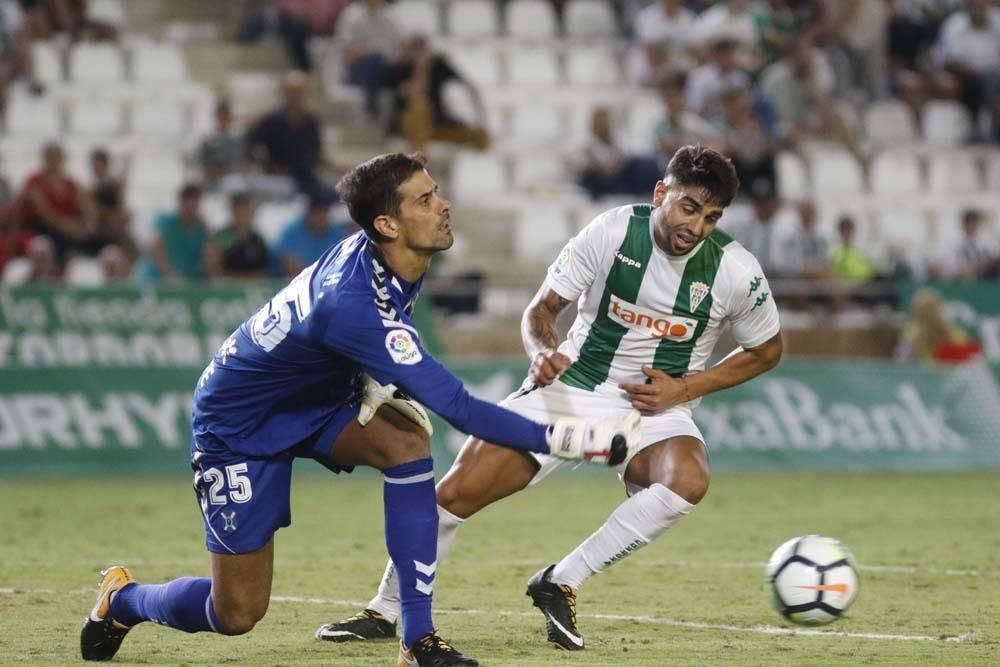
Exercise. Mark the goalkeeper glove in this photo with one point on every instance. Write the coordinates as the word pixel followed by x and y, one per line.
pixel 377 395
pixel 608 442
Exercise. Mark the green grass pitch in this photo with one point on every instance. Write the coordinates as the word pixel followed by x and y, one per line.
pixel 928 546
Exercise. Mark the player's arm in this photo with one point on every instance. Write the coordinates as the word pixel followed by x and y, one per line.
pixel 754 321
pixel 568 277
pixel 541 337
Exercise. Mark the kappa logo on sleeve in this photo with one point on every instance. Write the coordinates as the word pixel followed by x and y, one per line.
pixel 402 347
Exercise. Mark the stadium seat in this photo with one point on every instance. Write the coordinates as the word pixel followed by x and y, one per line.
pixel 792 176
pixel 16 271
pixel 993 171
pixel 537 125
pixel 903 230
pixel 589 18
pixel 890 123
pixel 954 172
pixel 477 175
pixel 418 16
pixel 272 218
pixel 473 19
pixel 540 173
pixel 531 19
pixel 480 65
pixel 33 117
pixel 96 119
pixel 644 112
pixel 533 66
pixel 946 122
pixel 108 11
pixel 96 63
pixel 84 272
pixel 154 172
pixel 46 59
pixel 896 172
pixel 160 121
pixel 163 62
pixel 541 231
pixel 836 170
pixel 592 66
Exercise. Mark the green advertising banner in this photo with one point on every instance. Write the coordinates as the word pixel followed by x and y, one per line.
pixel 101 381
pixel 975 306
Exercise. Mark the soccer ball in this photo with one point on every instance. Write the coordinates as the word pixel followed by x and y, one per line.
pixel 813 579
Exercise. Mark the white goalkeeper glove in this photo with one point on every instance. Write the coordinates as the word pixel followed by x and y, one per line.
pixel 377 395
pixel 604 442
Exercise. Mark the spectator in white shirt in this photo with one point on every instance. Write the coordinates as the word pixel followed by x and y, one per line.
pixel 663 31
pixel 708 81
pixel 969 48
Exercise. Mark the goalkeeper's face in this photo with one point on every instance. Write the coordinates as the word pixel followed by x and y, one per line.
pixel 424 215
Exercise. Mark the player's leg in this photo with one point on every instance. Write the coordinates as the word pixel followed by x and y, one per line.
pixel 401 450
pixel 243 502
pixel 481 474
pixel 666 480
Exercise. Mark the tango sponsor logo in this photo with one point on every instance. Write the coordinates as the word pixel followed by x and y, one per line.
pixel 649 323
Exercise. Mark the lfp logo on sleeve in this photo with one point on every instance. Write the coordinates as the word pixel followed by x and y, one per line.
pixel 402 348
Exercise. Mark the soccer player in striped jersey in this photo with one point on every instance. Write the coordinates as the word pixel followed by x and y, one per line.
pixel 285 385
pixel 655 286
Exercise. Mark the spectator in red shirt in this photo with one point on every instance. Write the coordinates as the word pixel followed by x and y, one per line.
pixel 14 238
pixel 57 207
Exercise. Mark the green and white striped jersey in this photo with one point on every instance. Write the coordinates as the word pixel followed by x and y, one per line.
pixel 639 306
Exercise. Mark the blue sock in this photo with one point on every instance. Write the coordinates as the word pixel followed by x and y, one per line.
pixel 411 528
pixel 184 604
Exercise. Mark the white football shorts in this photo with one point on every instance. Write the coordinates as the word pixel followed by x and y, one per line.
pixel 547 404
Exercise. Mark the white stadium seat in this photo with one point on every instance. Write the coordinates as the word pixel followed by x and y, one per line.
pixel 108 11
pixel 836 170
pixel 541 231
pixel 157 172
pixel 96 63
pixel 16 271
pixel 540 173
pixel 84 272
pixel 954 172
pixel 993 171
pixel 96 119
pixel 592 66
pixel 480 65
pixel 533 66
pixel 152 62
pixel 890 123
pixel 46 59
pixel 792 176
pixel 896 172
pixel 475 175
pixel 644 112
pixel 537 125
pixel 160 121
pixel 473 19
pixel 33 117
pixel 273 217
pixel 531 19
pixel 418 16
pixel 590 18
pixel 946 122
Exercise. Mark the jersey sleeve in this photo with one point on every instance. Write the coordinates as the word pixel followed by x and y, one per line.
pixel 753 315
pixel 394 354
pixel 576 266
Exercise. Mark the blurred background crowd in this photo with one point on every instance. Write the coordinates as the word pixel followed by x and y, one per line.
pixel 148 141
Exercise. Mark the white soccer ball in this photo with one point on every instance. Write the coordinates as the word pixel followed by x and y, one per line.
pixel 813 579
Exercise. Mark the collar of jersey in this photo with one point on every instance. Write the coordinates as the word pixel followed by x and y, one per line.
pixel 395 280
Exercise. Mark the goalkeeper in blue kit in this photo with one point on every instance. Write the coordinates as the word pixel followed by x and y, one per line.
pixel 314 373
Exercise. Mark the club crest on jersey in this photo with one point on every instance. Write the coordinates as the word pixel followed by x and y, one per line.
pixel 698 292
pixel 402 348
pixel 649 323
pixel 562 261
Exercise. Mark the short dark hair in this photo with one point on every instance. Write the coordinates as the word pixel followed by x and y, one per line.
pixel 190 189
pixel 706 168
pixel 100 154
pixel 240 198
pixel 372 188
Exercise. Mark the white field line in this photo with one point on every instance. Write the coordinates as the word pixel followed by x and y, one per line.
pixel 651 620
pixel 660 620
pixel 886 569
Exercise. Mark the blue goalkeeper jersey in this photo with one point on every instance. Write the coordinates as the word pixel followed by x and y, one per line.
pixel 279 378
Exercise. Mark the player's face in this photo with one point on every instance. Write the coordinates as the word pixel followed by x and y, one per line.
pixel 685 215
pixel 425 215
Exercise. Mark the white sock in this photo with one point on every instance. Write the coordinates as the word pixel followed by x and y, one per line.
pixel 386 601
pixel 634 524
